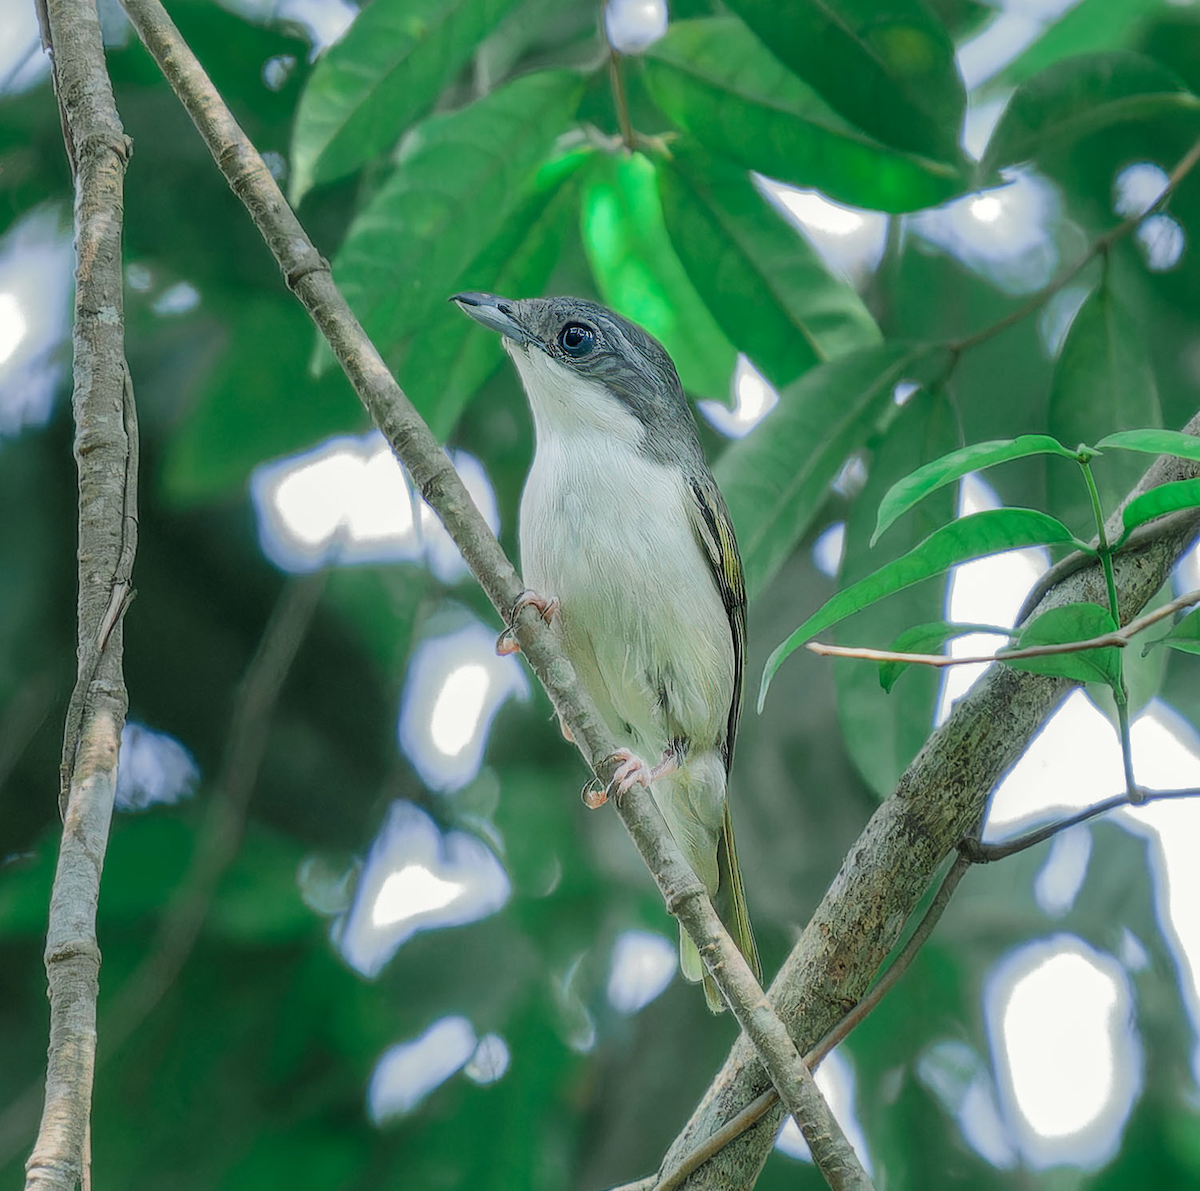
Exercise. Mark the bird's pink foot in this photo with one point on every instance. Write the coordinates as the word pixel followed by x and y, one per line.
pixel 562 727
pixel 506 643
pixel 630 771
pixel 633 771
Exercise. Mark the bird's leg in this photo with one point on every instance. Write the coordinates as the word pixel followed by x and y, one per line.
pixel 632 770
pixel 506 643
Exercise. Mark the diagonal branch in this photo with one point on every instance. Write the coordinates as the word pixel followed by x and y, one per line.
pixel 307 274
pixel 939 799
pixel 106 456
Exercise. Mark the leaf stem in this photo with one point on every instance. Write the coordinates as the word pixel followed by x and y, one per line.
pixel 1120 693
pixel 620 102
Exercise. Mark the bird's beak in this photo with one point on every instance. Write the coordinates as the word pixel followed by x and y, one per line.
pixel 495 313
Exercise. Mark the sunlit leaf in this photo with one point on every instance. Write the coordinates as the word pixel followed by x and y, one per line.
pixel 928 638
pixel 450 357
pixel 1081 96
pixel 888 67
pixel 1073 622
pixel 715 79
pixel 953 466
pixel 762 281
pixel 446 201
pixel 1087 27
pixel 640 276
pixel 974 536
pixel 774 489
pixel 1154 442
pixel 1103 381
pixel 1185 636
pixel 882 734
pixel 383 74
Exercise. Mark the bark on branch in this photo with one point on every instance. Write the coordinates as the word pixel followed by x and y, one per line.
pixel 307 274
pixel 106 453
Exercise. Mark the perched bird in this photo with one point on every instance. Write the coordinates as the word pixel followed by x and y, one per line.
pixel 626 541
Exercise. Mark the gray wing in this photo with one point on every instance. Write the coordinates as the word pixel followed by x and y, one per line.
pixel 714 530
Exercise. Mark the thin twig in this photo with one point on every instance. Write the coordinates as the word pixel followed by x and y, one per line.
pixel 221 832
pixel 1098 247
pixel 978 852
pixel 1118 639
pixel 216 845
pixel 620 102
pixel 107 459
pixel 307 275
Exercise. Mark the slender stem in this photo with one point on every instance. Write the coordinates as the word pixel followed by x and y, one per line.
pixel 620 101
pixel 1120 694
pixel 981 853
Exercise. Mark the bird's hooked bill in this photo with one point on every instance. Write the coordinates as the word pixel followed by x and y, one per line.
pixel 495 313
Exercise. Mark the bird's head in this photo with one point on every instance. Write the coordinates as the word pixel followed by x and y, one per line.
pixel 587 369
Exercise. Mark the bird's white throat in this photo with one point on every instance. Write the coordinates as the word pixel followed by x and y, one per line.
pixel 567 404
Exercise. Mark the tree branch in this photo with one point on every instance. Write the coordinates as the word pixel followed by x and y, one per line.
pixel 106 456
pixel 307 274
pixel 1118 639
pixel 940 797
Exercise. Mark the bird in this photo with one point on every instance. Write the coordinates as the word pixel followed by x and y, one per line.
pixel 628 551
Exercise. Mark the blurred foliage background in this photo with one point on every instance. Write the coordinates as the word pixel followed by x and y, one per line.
pixel 358 930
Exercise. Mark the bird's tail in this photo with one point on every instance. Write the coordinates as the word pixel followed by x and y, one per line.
pixel 730 903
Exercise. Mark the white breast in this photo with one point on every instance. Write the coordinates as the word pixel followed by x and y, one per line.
pixel 609 534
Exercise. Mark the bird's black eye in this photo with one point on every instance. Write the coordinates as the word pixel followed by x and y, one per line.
pixel 576 339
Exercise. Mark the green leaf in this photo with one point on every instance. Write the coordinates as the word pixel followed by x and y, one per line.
pixel 716 80
pixel 1081 96
pixel 929 638
pixel 640 276
pixel 1185 636
pixel 775 479
pixel 450 357
pixel 886 65
pixel 1102 381
pixel 764 283
pixel 953 466
pixel 446 201
pixel 388 69
pixel 1154 442
pixel 1074 622
pixel 883 735
pixel 1087 27
pixel 1166 498
pixel 974 536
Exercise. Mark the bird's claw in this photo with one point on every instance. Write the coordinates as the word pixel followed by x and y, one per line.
pixel 506 643
pixel 631 771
